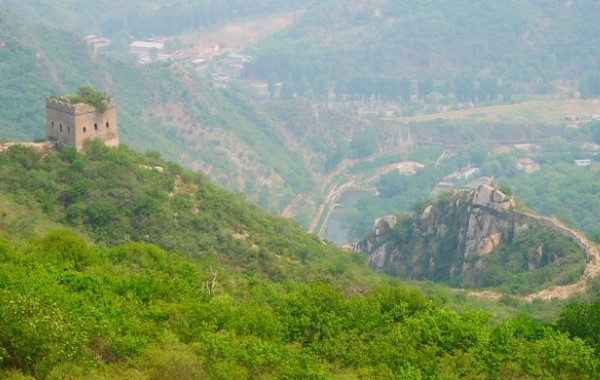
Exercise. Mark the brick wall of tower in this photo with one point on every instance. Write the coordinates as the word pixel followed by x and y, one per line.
pixel 72 124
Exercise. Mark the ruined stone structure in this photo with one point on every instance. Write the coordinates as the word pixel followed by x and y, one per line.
pixel 71 124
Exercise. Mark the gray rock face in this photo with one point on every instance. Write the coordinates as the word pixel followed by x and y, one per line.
pixel 384 224
pixel 448 239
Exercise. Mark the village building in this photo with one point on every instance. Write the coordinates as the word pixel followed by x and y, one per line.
pixel 583 163
pixel 146 47
pixel 527 165
pixel 502 149
pixel 97 42
pixel 528 148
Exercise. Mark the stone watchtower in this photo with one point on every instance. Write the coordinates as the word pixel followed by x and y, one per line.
pixel 70 120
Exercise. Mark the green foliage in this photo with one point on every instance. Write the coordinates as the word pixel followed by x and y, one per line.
pixel 61 247
pixel 403 228
pixel 145 18
pixel 38 335
pixel 206 285
pixel 38 61
pixel 518 268
pixel 589 85
pixel 581 320
pixel 562 189
pixel 89 95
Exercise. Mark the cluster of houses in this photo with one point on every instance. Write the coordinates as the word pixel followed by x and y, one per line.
pixel 227 65
pixel 154 50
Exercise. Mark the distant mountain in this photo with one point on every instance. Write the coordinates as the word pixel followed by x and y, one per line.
pixel 142 18
pixel 513 40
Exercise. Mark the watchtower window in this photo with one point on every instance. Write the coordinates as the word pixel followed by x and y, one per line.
pixel 52 124
pixel 60 127
pixel 84 129
pixel 107 125
pixel 96 126
pixel 68 129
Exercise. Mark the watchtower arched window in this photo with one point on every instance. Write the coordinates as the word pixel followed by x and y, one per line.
pixel 68 129
pixel 107 125
pixel 52 124
pixel 96 126
pixel 60 127
pixel 84 129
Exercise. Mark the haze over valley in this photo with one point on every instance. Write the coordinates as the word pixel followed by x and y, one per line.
pixel 303 189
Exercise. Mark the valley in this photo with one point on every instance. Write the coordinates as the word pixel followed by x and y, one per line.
pixel 448 180
pixel 245 141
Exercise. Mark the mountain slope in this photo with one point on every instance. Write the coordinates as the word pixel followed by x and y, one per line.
pixel 115 196
pixel 511 40
pixel 186 280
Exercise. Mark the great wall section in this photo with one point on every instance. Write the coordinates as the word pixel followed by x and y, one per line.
pixel 560 291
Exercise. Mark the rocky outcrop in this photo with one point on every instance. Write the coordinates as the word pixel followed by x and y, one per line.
pixel 452 237
pixel 446 239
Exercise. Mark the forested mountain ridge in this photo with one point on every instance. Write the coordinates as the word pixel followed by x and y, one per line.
pixel 156 272
pixel 354 44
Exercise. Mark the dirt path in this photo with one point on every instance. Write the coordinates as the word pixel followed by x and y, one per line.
pixel 351 182
pixel 325 183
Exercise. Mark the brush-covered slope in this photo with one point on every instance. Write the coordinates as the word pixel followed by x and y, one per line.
pixel 115 195
pixel 354 43
pixel 156 273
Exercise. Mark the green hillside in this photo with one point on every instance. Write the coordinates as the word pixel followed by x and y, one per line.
pixel 120 265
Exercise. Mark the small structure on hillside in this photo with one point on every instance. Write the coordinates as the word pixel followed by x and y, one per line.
pixel 528 165
pixel 583 163
pixel 72 119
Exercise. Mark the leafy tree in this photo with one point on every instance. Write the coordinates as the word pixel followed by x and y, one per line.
pixel 61 247
pixel 583 321
pixel 89 95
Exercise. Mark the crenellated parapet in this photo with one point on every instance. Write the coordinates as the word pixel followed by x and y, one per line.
pixel 62 104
